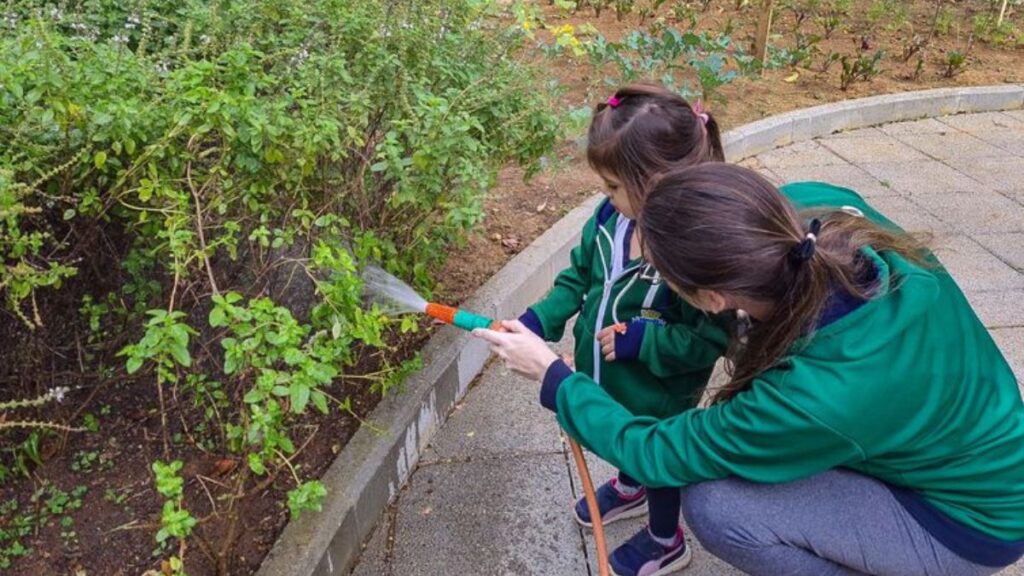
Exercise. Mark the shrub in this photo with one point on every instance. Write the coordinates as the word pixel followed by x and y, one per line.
pixel 237 161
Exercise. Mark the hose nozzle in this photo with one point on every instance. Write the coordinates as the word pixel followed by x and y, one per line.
pixel 460 318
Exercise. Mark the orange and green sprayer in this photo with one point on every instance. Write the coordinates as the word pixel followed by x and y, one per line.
pixel 390 292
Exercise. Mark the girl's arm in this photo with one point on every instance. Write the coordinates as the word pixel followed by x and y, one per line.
pixel 690 341
pixel 759 435
pixel 547 318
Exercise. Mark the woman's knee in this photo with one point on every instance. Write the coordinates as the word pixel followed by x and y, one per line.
pixel 719 513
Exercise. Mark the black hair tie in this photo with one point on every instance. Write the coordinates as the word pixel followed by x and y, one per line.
pixel 803 251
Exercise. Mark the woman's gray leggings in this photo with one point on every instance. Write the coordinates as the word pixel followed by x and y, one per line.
pixel 835 523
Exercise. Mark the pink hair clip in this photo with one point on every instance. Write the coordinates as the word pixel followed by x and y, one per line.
pixel 700 112
pixel 614 102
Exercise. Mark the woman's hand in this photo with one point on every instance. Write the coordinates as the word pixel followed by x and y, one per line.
pixel 522 350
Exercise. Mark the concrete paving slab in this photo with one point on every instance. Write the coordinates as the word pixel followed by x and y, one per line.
pixel 1000 309
pixel 502 416
pixel 979 212
pixel 953 144
pixel 921 178
pixel 809 153
pixel 909 216
pixel 754 164
pixel 872 148
pixel 1012 141
pixel 1015 114
pixel 846 175
pixel 1001 173
pixel 1008 247
pixel 1011 343
pixel 503 516
pixel 976 269
pixel 925 126
pixel 983 122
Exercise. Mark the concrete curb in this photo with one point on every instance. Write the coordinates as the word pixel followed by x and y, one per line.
pixel 373 467
pixel 809 123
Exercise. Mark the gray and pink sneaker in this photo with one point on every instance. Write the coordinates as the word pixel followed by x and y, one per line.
pixel 642 555
pixel 613 505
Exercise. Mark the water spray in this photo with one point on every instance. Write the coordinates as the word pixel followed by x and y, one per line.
pixel 393 294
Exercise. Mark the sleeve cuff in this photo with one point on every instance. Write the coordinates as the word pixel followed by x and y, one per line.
pixel 627 344
pixel 557 373
pixel 532 321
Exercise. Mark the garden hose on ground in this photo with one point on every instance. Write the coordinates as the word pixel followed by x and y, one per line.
pixel 595 512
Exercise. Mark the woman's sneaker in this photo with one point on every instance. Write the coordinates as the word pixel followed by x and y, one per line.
pixel 612 504
pixel 642 555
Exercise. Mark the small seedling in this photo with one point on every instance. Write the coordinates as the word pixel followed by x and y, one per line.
pixel 956 60
pixel 85 461
pixel 862 68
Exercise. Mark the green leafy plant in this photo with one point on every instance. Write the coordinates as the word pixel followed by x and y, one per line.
pixel 244 159
pixel 47 503
pixel 988 29
pixel 894 12
pixel 677 58
pixel 862 68
pixel 176 522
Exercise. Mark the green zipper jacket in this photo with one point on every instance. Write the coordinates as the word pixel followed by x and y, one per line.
pixel 678 344
pixel 908 388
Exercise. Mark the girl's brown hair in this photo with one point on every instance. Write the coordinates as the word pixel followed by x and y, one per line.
pixel 725 228
pixel 645 129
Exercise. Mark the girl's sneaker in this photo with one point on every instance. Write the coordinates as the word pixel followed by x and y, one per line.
pixel 612 504
pixel 641 555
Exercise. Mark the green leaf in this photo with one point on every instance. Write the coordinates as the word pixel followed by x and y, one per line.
pixel 320 401
pixel 256 464
pixel 181 355
pixel 218 318
pixel 133 364
pixel 69 213
pixel 300 397
pixel 100 159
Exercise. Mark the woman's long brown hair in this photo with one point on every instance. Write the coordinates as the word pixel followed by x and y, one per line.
pixel 725 228
pixel 650 130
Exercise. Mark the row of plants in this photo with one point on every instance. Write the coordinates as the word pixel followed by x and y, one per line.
pixel 698 62
pixel 990 24
pixel 202 182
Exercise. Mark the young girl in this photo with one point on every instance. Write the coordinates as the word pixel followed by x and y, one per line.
pixel 649 350
pixel 871 424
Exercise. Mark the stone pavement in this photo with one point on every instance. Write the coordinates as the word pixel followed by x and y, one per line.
pixel 493 492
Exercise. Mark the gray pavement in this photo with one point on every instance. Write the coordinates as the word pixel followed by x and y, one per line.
pixel 492 495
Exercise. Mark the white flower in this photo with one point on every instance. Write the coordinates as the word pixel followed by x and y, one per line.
pixel 10 19
pixel 204 39
pixel 57 394
pixel 120 39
